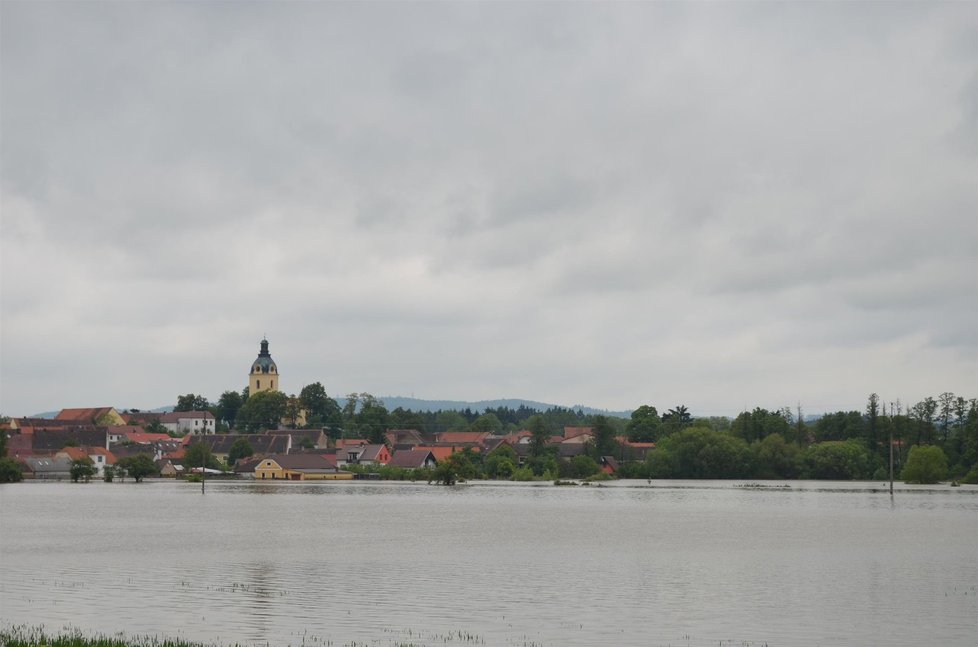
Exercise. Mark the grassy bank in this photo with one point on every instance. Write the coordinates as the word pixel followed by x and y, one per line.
pixel 37 637
pixel 26 636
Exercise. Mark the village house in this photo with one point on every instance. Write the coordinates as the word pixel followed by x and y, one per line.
pixel 403 437
pixel 91 416
pixel 195 423
pixel 303 438
pixel 219 445
pixel 170 468
pixel 47 442
pixel 413 459
pixel 298 467
pixel 100 457
pixel 377 454
pixel 473 439
pixel 47 468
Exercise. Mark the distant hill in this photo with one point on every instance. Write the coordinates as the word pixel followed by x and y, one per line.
pixel 416 404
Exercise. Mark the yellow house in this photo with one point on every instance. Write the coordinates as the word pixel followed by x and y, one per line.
pixel 299 467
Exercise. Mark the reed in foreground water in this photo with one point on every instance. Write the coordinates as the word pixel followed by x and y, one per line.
pixel 24 636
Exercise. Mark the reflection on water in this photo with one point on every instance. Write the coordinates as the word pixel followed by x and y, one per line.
pixel 629 563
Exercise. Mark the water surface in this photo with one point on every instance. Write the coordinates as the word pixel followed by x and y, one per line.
pixel 632 563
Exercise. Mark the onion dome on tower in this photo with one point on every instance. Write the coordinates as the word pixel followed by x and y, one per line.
pixel 264 374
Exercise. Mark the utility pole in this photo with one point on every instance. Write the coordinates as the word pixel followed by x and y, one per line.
pixel 891 460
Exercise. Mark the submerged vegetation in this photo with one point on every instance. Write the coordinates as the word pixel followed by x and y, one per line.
pixel 23 636
pixel 27 636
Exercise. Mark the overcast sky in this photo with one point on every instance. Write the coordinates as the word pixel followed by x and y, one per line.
pixel 610 204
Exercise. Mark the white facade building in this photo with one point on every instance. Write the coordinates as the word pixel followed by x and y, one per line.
pixel 189 422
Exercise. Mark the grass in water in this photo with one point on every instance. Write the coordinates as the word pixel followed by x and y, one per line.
pixel 36 637
pixel 28 636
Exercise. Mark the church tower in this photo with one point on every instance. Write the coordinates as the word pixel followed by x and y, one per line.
pixel 264 374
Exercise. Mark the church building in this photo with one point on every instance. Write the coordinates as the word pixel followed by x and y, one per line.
pixel 264 374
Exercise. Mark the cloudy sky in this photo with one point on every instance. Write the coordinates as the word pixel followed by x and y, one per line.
pixel 610 204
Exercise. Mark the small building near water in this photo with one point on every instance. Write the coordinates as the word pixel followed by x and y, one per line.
pixel 299 467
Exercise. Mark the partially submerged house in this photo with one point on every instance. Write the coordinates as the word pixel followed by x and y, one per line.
pixel 298 467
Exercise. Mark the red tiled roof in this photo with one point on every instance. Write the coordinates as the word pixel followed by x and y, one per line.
pixel 89 414
pixel 440 452
pixel 74 453
pixel 122 430
pixel 410 458
pixel 574 432
pixel 145 438
pixel 468 437
pixel 371 452
pixel 404 437
pixel 20 444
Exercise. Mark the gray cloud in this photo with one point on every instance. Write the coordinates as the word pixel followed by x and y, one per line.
pixel 724 205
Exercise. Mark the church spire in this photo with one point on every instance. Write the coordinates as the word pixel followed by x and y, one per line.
pixel 264 374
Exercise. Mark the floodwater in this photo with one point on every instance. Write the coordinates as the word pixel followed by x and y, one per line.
pixel 632 563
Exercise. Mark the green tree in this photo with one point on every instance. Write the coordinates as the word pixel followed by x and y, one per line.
pixel 293 410
pixel 138 467
pixel 444 473
pixel 10 471
pixel 758 424
pixel 841 425
pixel 82 469
pixel 923 414
pixel 840 460
pixel 602 441
pixel 500 462
pixel 228 406
pixel 240 448
pixel 700 453
pixel 584 466
pixel 645 425
pixel 154 426
pixel 322 409
pixel 263 410
pixel 450 421
pixel 192 402
pixel 676 419
pixel 872 423
pixel 465 463
pixel 925 464
pixel 372 419
pixel 350 406
pixel 401 418
pixel 776 458
pixel 540 433
pixel 487 422
pixel 197 454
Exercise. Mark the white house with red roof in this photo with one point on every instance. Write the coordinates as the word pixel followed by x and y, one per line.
pixel 196 423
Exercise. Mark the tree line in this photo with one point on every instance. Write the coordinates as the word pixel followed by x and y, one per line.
pixel 760 443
